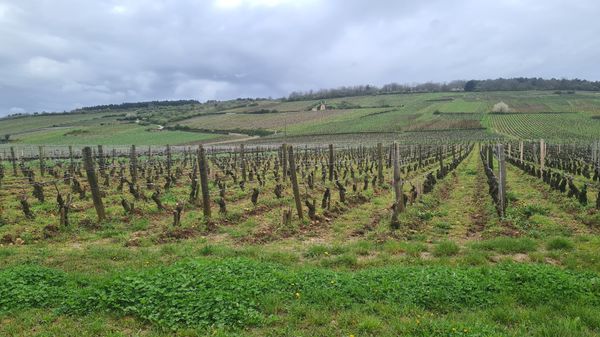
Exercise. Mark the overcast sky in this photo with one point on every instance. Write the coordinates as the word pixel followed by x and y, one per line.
pixel 58 55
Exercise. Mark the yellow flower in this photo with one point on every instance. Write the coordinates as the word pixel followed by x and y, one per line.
pixel 297 295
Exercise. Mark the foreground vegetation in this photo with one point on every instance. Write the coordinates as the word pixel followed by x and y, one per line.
pixel 217 295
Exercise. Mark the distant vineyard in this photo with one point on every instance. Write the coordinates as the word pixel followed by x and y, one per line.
pixel 550 126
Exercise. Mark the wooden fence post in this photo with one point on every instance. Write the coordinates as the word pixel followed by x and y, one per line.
pixel 93 181
pixel 294 179
pixel 203 167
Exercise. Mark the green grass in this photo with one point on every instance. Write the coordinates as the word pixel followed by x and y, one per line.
pixel 559 243
pixel 206 294
pixel 507 245
pixel 446 248
pixel 112 134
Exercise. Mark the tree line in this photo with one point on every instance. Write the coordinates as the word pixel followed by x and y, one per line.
pixel 499 84
pixel 131 105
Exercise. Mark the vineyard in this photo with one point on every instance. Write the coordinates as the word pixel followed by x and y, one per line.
pixel 556 126
pixel 417 214
pixel 457 237
pixel 408 118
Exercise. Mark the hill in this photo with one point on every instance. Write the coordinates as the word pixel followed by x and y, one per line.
pixel 406 117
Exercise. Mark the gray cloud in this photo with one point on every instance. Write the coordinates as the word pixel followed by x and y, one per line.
pixel 61 54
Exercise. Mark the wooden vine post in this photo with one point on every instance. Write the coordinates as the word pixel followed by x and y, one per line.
pixel 490 156
pixel 41 158
pixel 13 160
pixel 203 167
pixel 380 163
pixel 133 165
pixel 542 154
pixel 71 161
pixel 597 157
pixel 521 150
pixel 284 161
pixel 331 163
pixel 101 161
pixel 399 202
pixel 88 163
pixel 169 163
pixel 501 179
pixel 294 179
pixel 242 162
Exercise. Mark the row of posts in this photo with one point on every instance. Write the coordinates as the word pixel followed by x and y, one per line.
pixel 287 158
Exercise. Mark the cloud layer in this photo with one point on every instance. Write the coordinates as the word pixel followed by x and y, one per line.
pixel 57 55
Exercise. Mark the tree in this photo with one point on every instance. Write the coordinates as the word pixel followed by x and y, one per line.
pixel 470 85
pixel 500 107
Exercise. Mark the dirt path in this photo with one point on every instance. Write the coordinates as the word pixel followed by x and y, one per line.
pixel 236 140
pixel 480 199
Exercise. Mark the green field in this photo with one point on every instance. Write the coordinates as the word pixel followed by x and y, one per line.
pixel 533 114
pixel 112 134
